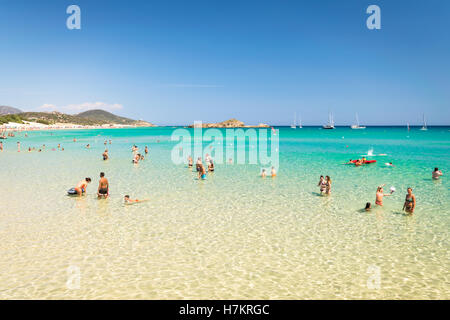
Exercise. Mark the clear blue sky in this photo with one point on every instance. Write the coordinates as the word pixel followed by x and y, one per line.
pixel 173 62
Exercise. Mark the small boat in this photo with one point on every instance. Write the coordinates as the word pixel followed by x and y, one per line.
pixel 330 124
pixel 357 126
pixel 295 120
pixel 424 127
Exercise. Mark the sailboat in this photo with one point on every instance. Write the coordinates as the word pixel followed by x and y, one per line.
pixel 300 123
pixel 407 126
pixel 424 127
pixel 295 120
pixel 357 126
pixel 330 124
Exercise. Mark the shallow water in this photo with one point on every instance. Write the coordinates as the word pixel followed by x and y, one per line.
pixel 233 236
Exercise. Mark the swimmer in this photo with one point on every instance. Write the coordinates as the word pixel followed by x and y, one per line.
pixel 127 200
pixel 368 206
pixel 88 146
pixel 59 146
pixel 103 186
pixel 263 173
pixel 109 141
pixel 105 155
pixel 410 201
pixel 328 185
pixel 380 195
pixel 358 163
pixel 436 174
pixel 322 184
pixel 389 164
pixel 18 146
pixel 349 162
pixel 273 173
pixel 105 142
pixel 82 185
pixel 146 150
pixel 141 157
pixel 190 162
pixel 74 140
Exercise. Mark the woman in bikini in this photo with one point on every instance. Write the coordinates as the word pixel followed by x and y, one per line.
pixel 328 185
pixel 410 202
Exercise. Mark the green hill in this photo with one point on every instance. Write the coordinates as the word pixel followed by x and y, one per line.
pixel 87 118
pixel 105 116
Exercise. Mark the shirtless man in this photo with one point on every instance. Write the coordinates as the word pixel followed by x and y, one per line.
pixel 273 173
pixel 103 186
pixel 436 174
pixel 105 155
pixel 146 150
pixel 380 195
pixel 82 186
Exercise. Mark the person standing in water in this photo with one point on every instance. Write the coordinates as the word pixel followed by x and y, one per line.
pixel 103 186
pixel 436 174
pixel 190 162
pixel 379 196
pixel 18 146
pixel 105 155
pixel 322 184
pixel 146 150
pixel 410 202
pixel 263 173
pixel 1 146
pixel 273 172
pixel 82 185
pixel 368 206
pixel 327 185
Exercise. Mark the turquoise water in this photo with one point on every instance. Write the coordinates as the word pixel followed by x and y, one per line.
pixel 234 235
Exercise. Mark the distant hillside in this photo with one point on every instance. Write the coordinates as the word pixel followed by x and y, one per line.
pixel 9 110
pixel 88 118
pixel 231 123
pixel 104 116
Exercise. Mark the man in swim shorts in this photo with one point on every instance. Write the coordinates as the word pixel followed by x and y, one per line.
pixel 82 186
pixel 103 186
pixel 105 155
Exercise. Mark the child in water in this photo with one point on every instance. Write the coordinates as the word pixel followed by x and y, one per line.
pixel 263 173
pixel 131 201
pixel 273 173
pixel 368 206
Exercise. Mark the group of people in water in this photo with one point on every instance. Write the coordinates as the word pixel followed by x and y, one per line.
pixel 200 167
pixel 410 199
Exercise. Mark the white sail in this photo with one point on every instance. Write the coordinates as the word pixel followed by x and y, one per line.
pixel 424 126
pixel 357 126
pixel 295 120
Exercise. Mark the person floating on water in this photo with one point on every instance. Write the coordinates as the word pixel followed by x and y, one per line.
pixel 105 155
pixel 82 186
pixel 410 202
pixel 380 195
pixel 389 164
pixel 127 200
pixel 436 174
pixel 103 186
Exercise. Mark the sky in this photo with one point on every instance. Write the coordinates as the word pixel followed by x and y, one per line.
pixel 173 62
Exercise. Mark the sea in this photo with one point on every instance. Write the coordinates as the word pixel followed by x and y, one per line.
pixel 234 235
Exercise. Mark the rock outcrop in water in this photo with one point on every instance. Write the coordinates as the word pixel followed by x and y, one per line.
pixel 231 123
